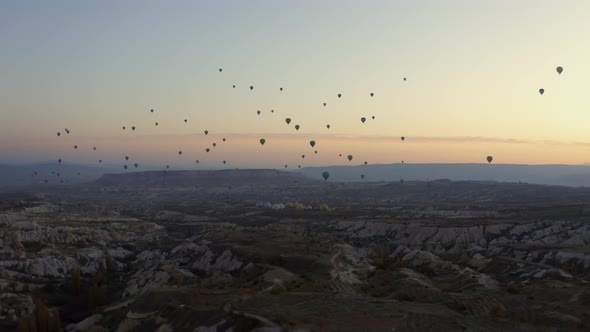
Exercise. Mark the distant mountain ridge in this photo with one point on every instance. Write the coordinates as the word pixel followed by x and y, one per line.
pixel 565 175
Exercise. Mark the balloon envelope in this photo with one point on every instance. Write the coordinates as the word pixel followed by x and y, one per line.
pixel 559 70
pixel 349 157
pixel 489 159
pixel 262 141
pixel 312 143
pixel 326 175
pixel 541 91
pixel 288 120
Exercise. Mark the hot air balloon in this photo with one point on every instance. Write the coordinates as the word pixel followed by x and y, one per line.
pixel 339 95
pixel 223 139
pixel 326 175
pixel 258 112
pixel 100 161
pixel 298 166
pixel 349 157
pixel 220 69
pixel 214 144
pixel 125 166
pixel 312 143
pixel 541 91
pixel 365 162
pixel 180 153
pixel 302 156
pixel 152 110
pixel 207 150
pixel 325 104
pixel 372 94
pixel 405 79
pixel 75 147
pixel 94 148
pixel 251 87
pixel 133 128
pixel 156 123
pixel 340 155
pixel 123 127
pixel 272 111
pixel 197 161
pixel 297 127
pixel 489 159
pixel 286 166
pixel 224 161
pixel 185 120
pixel 403 138
pixel 362 176
pixel 167 166
pixel 373 117
pixel 58 134
pixel 234 86
pixel 288 120
pixel 59 161
pixel 559 70
pixel 262 141
pixel 363 119
pixel 281 89
pixel 316 152
pixel 328 126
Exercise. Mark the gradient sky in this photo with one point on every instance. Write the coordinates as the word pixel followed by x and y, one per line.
pixel 473 67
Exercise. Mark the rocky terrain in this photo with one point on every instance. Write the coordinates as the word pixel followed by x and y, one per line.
pixel 197 253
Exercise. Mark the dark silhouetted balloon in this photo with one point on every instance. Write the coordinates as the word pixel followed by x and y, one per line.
pixel 251 87
pixel 349 157
pixel 403 138
pixel 328 126
pixel 372 94
pixel 298 166
pixel 180 153
pixel 224 161
pixel 75 147
pixel 288 120
pixel 214 144
pixel 185 120
pixel 286 166
pixel 207 150
pixel 126 157
pixel 365 162
pixel 281 89
pixel 325 104
pixel 94 148
pixel 124 128
pixel 220 69
pixel 234 86
pixel 125 167
pixel 363 176
pixel 258 112
pixel 541 91
pixel 58 134
pixel 197 161
pixel 302 156
pixel 326 175
pixel 316 152
pixel 312 143
pixel 152 110
pixel 559 70
pixel 489 159
pixel 363 119
pixel 167 166
pixel 136 165
pixel 156 123
pixel 59 161
pixel 100 161
pixel 262 141
pixel 297 127
pixel 223 139
pixel 373 117
pixel 340 155
pixel 339 95
pixel 405 79
pixel 133 128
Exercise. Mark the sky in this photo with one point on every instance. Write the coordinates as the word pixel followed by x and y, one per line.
pixel 473 72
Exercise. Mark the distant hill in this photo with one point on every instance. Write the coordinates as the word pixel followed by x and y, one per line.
pixel 205 178
pixel 565 175
pixel 21 176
